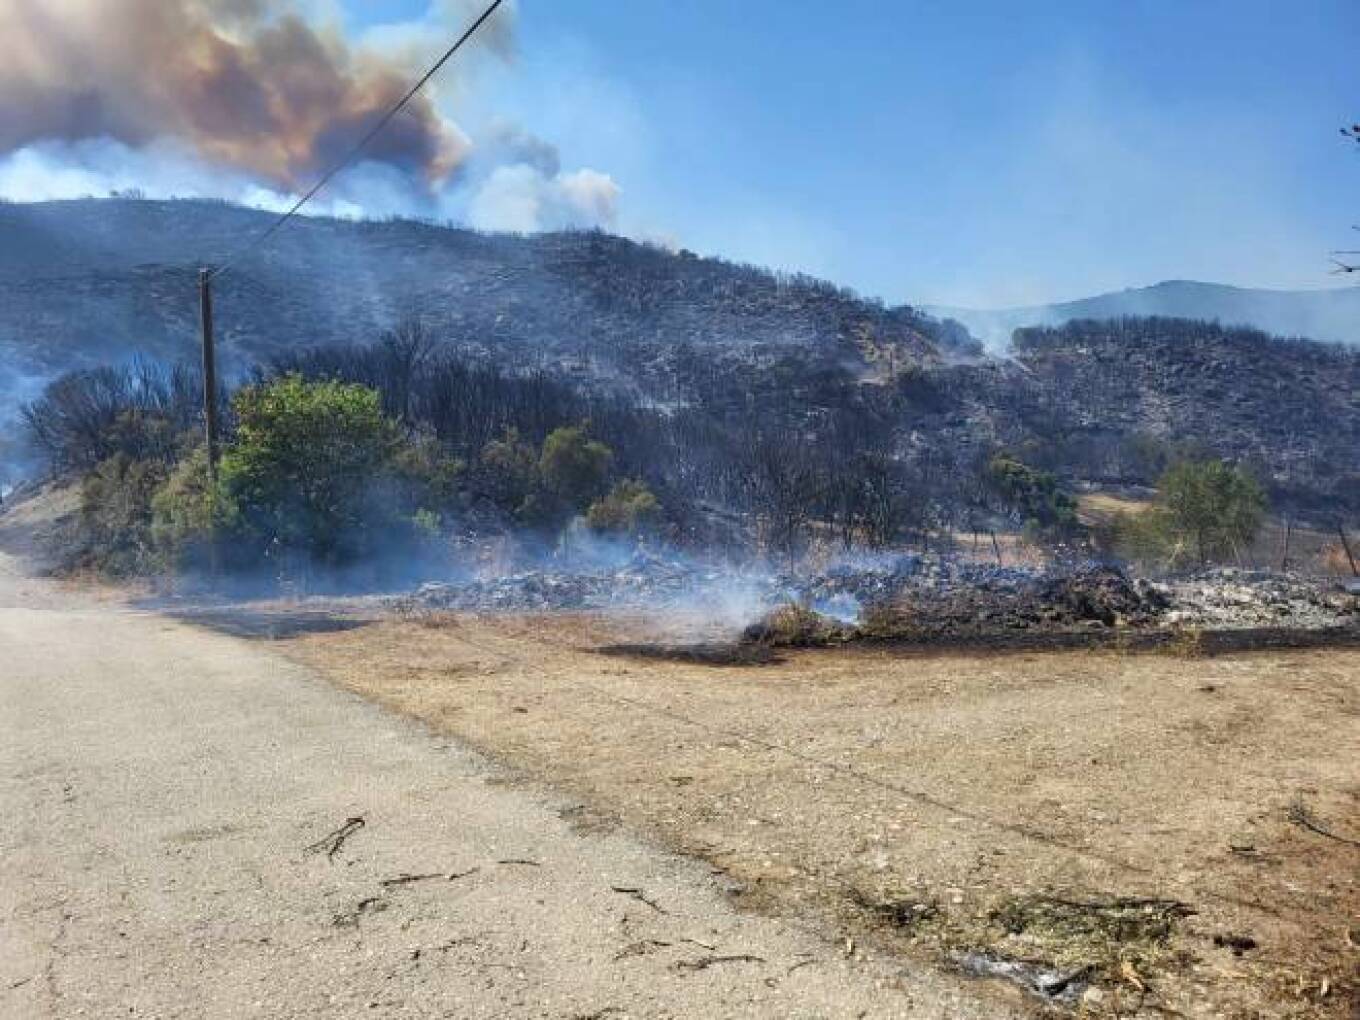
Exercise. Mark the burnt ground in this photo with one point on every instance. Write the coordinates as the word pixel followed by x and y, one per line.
pixel 1110 832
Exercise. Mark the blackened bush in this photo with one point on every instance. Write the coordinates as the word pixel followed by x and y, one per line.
pixel 142 410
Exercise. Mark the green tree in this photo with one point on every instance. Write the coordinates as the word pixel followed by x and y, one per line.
pixel 574 468
pixel 1034 496
pixel 428 478
pixel 187 512
pixel 311 467
pixel 510 471
pixel 1211 507
pixel 630 508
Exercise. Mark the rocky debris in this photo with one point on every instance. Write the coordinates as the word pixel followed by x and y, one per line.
pixel 1065 599
pixel 1229 599
pixel 645 580
pixel 911 597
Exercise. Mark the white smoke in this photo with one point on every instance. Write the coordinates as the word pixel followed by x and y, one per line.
pixel 522 199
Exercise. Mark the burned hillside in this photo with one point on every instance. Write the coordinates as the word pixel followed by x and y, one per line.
pixel 601 309
pixel 1113 390
pixel 704 376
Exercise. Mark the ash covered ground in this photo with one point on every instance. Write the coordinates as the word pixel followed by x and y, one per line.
pixel 930 598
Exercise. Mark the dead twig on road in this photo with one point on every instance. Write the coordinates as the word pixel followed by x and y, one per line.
pixel 350 918
pixel 333 842
pixel 1300 814
pixel 447 876
pixel 643 948
pixel 388 883
pixel 704 962
pixel 640 896
pixel 452 944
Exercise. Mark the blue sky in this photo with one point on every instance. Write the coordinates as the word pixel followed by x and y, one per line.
pixel 979 153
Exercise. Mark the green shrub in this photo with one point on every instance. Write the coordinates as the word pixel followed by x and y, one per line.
pixel 188 513
pixel 1205 511
pixel 630 508
pixel 1034 496
pixel 427 478
pixel 115 521
pixel 510 471
pixel 574 468
pixel 312 468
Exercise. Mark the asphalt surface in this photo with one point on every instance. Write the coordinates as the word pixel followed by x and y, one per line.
pixel 166 798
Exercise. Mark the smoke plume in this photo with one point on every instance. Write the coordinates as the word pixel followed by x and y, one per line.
pixel 250 100
pixel 246 84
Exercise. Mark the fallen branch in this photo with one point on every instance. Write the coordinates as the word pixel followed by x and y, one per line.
pixel 642 948
pixel 389 883
pixel 1304 818
pixel 335 840
pixel 350 919
pixel 704 962
pixel 521 861
pixel 638 895
pixel 451 876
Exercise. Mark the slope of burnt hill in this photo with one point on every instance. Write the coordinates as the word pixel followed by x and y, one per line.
pixel 1290 408
pixel 704 344
pixel 92 281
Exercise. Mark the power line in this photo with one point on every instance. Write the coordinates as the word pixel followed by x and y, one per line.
pixel 354 153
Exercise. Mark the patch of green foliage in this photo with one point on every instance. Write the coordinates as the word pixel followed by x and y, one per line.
pixel 309 466
pixel 1206 511
pixel 115 523
pixel 186 513
pixel 315 472
pixel 1035 497
pixel 630 508
pixel 574 469
pixel 547 488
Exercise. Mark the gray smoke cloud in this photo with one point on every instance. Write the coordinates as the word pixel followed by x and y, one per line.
pixel 242 98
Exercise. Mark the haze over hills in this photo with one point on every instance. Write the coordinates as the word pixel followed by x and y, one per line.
pixel 89 282
pixel 717 354
pixel 1329 315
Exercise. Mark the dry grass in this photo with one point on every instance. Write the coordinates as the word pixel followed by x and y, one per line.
pixel 935 803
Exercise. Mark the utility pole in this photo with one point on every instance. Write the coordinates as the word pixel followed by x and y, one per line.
pixel 209 368
pixel 1350 556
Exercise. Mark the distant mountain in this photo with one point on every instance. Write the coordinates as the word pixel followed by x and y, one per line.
pixel 1330 315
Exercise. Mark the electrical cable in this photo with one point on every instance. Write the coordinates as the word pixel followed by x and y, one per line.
pixel 363 144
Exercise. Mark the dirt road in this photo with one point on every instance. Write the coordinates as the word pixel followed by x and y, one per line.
pixel 160 788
